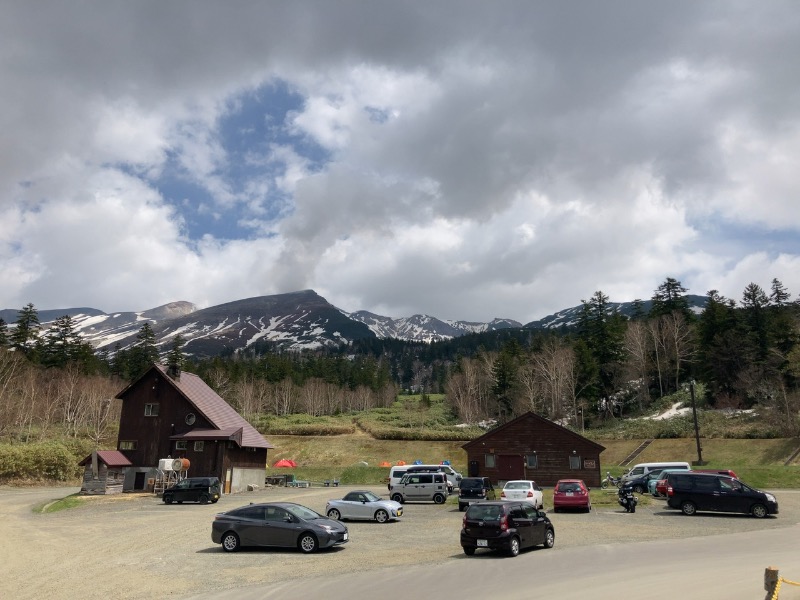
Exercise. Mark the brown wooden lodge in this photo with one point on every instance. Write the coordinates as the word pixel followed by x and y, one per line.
pixel 169 414
pixel 532 447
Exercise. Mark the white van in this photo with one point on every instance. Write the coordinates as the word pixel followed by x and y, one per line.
pixel 396 474
pixel 644 468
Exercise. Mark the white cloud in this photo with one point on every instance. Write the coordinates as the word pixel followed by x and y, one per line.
pixel 482 160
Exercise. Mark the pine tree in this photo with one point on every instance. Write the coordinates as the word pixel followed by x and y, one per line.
pixel 602 329
pixel 61 343
pixel 670 297
pixel 26 331
pixel 3 333
pixel 779 294
pixel 144 353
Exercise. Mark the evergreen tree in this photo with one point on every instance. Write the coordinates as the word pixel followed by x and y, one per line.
pixel 779 295
pixel 26 331
pixel 175 358
pixel 144 352
pixel 602 329
pixel 3 333
pixel 670 297
pixel 61 344
pixel 754 305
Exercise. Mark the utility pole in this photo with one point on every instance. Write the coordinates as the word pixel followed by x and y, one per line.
pixel 696 428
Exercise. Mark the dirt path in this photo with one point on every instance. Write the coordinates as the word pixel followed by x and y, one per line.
pixel 135 547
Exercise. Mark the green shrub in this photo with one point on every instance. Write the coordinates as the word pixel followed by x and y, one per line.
pixel 40 461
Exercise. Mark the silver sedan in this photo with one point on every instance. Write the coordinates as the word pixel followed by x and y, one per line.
pixel 364 505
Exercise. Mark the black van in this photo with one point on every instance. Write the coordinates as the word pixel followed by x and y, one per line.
pixel 691 492
pixel 193 489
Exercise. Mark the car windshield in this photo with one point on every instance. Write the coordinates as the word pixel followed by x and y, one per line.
pixel 303 513
pixel 518 485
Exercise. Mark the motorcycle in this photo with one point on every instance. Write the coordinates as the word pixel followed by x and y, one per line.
pixel 628 500
pixel 610 480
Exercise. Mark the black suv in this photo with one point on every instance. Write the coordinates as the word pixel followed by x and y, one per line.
pixel 193 489
pixel 474 489
pixel 508 526
pixel 691 492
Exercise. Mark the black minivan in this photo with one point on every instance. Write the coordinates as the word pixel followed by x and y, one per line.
pixel 474 489
pixel 691 492
pixel 193 489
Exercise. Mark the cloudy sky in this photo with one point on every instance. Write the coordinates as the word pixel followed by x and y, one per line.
pixel 467 160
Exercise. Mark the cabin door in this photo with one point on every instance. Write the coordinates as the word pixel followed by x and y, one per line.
pixel 510 466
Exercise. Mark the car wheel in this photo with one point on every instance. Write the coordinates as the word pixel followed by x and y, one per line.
pixel 204 499
pixel 167 499
pixel 688 508
pixel 334 514
pixel 438 499
pixel 462 507
pixel 230 542
pixel 381 516
pixel 549 538
pixel 638 489
pixel 589 508
pixel 398 498
pixel 469 550
pixel 759 511
pixel 513 547
pixel 556 509
pixel 307 543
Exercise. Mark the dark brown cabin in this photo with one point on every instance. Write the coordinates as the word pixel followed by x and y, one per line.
pixel 176 415
pixel 104 472
pixel 532 447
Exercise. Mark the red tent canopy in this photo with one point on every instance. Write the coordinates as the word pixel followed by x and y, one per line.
pixel 285 463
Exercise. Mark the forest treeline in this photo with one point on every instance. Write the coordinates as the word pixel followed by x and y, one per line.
pixel 746 354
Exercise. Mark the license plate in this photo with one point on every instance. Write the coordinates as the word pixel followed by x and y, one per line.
pixel 345 536
pixel 483 543
pixel 570 494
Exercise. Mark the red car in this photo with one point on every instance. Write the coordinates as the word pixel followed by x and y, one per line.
pixel 571 493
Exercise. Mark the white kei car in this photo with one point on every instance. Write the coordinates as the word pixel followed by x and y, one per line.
pixel 525 490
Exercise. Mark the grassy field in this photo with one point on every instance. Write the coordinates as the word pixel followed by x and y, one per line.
pixel 758 462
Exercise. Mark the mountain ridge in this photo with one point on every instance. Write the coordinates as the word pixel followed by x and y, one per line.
pixel 298 320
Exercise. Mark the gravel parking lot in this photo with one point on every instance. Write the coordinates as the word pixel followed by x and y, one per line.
pixel 134 546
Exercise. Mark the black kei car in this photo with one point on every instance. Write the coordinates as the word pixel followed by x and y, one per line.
pixel 193 489
pixel 506 526
pixel 276 524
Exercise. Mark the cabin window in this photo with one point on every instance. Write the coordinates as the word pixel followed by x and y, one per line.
pixel 574 462
pixel 532 461
pixel 198 446
pixel 151 410
pixel 488 461
pixel 127 445
pixel 180 445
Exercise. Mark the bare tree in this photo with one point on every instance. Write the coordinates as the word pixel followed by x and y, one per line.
pixel 638 346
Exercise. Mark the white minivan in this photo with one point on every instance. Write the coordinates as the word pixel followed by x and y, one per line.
pixel 396 474
pixel 645 468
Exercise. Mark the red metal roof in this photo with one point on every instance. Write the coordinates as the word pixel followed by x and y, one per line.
pixel 218 412
pixel 112 458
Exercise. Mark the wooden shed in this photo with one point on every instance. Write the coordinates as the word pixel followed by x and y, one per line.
pixel 532 447
pixel 104 472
